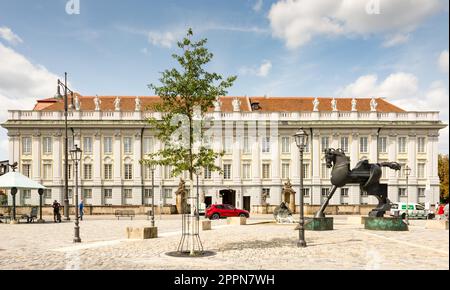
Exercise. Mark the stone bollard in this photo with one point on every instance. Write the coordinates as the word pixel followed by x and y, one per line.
pixel 437 224
pixel 143 233
pixel 237 221
pixel 206 225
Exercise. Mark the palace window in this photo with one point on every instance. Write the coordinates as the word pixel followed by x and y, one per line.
pixel 285 170
pixel 167 172
pixel 207 173
pixel 363 145
pixel 246 145
pixel 402 192
pixel 344 192
pixel 421 191
pixel 227 171
pixel 87 145
pixel 325 171
pixel 128 193
pixel 148 192
pixel 402 145
pixel 285 145
pixel 382 145
pixel 47 193
pixel 228 145
pixel 47 145
pixel 127 145
pixel 108 145
pixel 344 144
pixel 266 170
pixel 266 192
pixel 48 173
pixel 246 169
pixel 305 170
pixel 87 193
pixel 26 170
pixel 128 172
pixel 325 143
pixel 167 193
pixel 148 145
pixel 306 192
pixel 324 191
pixel 26 193
pixel 421 170
pixel 108 171
pixel 87 172
pixel 26 145
pixel 266 144
pixel 107 193
pixel 421 144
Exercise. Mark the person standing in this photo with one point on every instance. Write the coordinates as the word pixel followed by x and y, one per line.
pixel 440 211
pixel 81 208
pixel 56 214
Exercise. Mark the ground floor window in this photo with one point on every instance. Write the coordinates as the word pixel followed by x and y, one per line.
pixel 128 193
pixel 107 193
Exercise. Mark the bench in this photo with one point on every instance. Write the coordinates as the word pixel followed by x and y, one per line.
pixel 32 216
pixel 125 213
pixel 5 218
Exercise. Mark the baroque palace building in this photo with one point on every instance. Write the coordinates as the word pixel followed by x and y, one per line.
pixel 254 132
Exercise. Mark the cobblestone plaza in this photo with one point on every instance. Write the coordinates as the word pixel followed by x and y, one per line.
pixel 257 245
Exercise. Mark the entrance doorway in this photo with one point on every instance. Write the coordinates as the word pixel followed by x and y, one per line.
pixel 208 201
pixel 228 196
pixel 247 203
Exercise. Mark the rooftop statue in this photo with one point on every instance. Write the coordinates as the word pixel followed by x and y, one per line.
pixel 366 174
pixel 373 105
pixel 138 104
pixel 354 103
pixel 334 105
pixel 97 103
pixel 77 103
pixel 117 104
pixel 316 105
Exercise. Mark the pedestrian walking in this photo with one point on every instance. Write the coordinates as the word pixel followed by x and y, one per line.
pixel 81 209
pixel 56 214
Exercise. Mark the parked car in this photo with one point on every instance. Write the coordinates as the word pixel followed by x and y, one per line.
pixel 415 210
pixel 217 211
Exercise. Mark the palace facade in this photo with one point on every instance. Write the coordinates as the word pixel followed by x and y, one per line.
pixel 254 132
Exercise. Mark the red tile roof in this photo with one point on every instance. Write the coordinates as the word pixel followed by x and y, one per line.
pixel 267 104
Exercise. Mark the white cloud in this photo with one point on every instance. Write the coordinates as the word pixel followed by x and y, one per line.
pixel 402 89
pixel 258 5
pixel 8 35
pixel 162 39
pixel 262 71
pixel 21 83
pixel 395 86
pixel 443 61
pixel 396 39
pixel 298 21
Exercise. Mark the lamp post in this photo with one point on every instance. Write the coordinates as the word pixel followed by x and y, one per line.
pixel 407 173
pixel 40 220
pixel 152 168
pixel 76 158
pixel 66 143
pixel 301 139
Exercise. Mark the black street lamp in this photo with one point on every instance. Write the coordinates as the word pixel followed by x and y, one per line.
pixel 301 139
pixel 407 173
pixel 152 168
pixel 76 158
pixel 40 220
pixel 66 143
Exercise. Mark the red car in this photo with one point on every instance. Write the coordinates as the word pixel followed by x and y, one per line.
pixel 217 211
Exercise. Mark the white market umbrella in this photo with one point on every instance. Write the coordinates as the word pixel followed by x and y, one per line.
pixel 19 181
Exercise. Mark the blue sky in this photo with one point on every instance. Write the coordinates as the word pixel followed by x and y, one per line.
pixel 278 48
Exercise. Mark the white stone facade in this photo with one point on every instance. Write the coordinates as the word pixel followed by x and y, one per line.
pixel 114 142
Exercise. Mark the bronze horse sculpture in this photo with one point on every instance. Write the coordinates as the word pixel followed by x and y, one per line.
pixel 366 174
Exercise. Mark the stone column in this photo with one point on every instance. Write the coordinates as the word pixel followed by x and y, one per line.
pixel 97 194
pixel 316 164
pixel 354 150
pixel 37 159
pixel 392 174
pixel 118 198
pixel 412 162
pixel 58 165
pixel 138 197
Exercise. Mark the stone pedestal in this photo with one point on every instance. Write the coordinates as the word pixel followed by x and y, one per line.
pixel 237 221
pixel 385 224
pixel 143 233
pixel 319 224
pixel 355 220
pixel 206 225
pixel 437 224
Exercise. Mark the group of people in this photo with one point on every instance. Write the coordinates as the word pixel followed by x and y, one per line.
pixel 57 207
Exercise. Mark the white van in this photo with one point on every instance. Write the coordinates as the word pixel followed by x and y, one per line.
pixel 415 211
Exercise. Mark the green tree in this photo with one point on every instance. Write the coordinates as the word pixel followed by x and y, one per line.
pixel 443 176
pixel 186 95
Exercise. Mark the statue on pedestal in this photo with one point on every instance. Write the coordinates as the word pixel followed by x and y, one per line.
pixel 316 104
pixel 97 103
pixel 181 197
pixel 373 105
pixel 354 104
pixel 366 174
pixel 117 104
pixel 77 103
pixel 288 195
pixel 138 104
pixel 334 105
